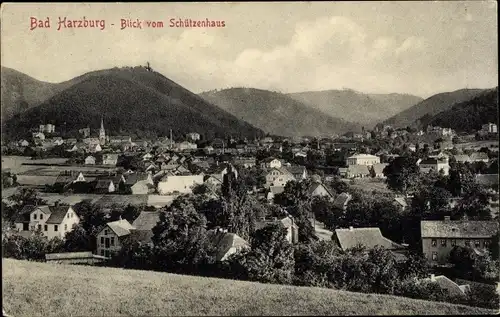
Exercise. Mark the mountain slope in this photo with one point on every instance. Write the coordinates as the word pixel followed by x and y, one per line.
pixel 131 100
pixel 468 116
pixel 366 109
pixel 431 106
pixel 101 291
pixel 277 113
pixel 21 92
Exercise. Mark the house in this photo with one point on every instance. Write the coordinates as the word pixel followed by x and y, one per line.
pixel 110 159
pixel 245 162
pixel 147 157
pixel 110 237
pixel 489 128
pixel 90 141
pixel 451 287
pixel 440 236
pixel 178 183
pixel 300 153
pixel 378 170
pixel 342 200
pixel 462 158
pixel 278 177
pixel 271 162
pixel 369 238
pixel 120 139
pixel 38 136
pixel 51 221
pixel 193 136
pixel 185 145
pixel 220 170
pixel 226 243
pixel 106 185
pixel 90 160
pixel 49 128
pixel 435 164
pixel 402 203
pixel 24 143
pixel 299 172
pixel 208 149
pixel 479 157
pixel 319 189
pixel 362 159
pixel 287 222
pixel 57 140
pixel 355 171
pixel 144 225
pixel 218 143
pixel 94 148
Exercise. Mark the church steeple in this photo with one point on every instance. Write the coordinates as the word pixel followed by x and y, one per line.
pixel 102 133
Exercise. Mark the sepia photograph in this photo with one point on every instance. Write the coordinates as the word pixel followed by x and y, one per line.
pixel 332 158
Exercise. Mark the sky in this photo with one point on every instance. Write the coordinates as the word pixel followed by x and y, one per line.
pixel 419 48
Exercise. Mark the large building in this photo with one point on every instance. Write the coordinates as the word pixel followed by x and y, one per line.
pixel 51 221
pixel 439 237
pixel 363 159
pixel 436 164
pixel 489 128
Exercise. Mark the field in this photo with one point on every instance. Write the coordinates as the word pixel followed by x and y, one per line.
pixel 41 289
pixel 15 163
pixel 368 184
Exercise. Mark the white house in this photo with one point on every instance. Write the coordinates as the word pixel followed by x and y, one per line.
pixel 185 145
pixel 109 159
pixel 271 163
pixel 90 160
pixel 278 177
pixel 178 183
pixel 193 136
pixel 109 239
pixel 362 159
pixel 52 221
pixel 435 164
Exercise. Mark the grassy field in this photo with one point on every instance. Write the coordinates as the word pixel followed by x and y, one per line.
pixel 369 184
pixel 41 289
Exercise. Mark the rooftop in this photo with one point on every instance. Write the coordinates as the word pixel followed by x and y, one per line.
pixel 458 229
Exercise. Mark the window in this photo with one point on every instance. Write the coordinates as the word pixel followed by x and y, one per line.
pixel 46 227
pixel 106 253
pixel 26 226
pixel 34 216
pixel 65 227
pixel 467 242
pixel 486 243
pixel 443 242
pixel 477 243
pixel 434 242
pixel 434 256
pixel 453 242
pixel 55 227
pixel 112 241
pixel 40 227
pixel 102 252
pixel 102 240
pixel 106 232
pixel 41 216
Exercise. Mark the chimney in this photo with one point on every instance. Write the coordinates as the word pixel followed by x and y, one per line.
pixel 433 278
pixel 446 218
pixel 351 228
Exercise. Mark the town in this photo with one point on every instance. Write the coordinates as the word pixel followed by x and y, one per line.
pixel 424 203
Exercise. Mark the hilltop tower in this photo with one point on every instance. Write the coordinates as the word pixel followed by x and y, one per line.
pixel 102 133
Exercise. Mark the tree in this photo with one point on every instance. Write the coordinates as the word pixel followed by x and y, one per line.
pixel 180 237
pixel 26 196
pixel 401 173
pixel 78 239
pixel 462 259
pixel 270 259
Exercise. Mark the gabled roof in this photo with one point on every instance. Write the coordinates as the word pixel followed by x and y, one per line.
pixel 120 227
pixel 24 214
pixel 147 220
pixel 479 156
pixel 57 214
pixel 462 158
pixel 342 199
pixel 315 185
pixel 458 229
pixel 131 179
pixel 452 287
pixel 103 183
pixel 368 237
pixel 379 168
pixel 224 241
pixel 359 169
pixel 296 169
